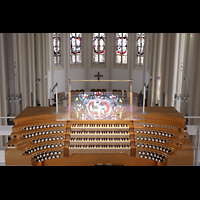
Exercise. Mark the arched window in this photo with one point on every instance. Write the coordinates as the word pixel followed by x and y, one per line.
pixel 140 48
pixel 56 48
pixel 98 48
pixel 121 48
pixel 75 48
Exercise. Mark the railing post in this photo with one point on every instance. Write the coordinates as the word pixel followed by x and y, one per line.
pixel 69 95
pixel 56 100
pixel 197 151
pixel 144 97
pixel 131 95
pixel 55 87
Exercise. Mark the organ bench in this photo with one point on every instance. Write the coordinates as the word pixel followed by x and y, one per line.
pixel 41 138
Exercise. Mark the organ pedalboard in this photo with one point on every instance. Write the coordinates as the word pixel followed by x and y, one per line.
pixel 41 138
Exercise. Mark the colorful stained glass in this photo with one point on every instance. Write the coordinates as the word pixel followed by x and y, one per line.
pixel 75 48
pixel 121 48
pixel 56 48
pixel 98 47
pixel 140 48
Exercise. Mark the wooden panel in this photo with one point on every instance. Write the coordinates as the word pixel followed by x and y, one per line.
pixel 94 159
pixel 157 138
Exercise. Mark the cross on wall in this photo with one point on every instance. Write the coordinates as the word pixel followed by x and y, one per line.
pixel 98 75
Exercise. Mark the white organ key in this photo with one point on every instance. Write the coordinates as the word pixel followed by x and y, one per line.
pixel 100 126
pixel 100 137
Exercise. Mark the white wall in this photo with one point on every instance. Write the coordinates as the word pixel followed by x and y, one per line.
pixel 59 77
pixel 137 77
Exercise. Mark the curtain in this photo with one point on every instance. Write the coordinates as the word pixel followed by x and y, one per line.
pixel 31 55
pixel 191 76
pixel 175 68
pixel 163 69
pixel 24 64
pixel 3 111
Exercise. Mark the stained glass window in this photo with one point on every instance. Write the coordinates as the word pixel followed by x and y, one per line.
pixel 121 48
pixel 56 48
pixel 75 48
pixel 140 48
pixel 98 47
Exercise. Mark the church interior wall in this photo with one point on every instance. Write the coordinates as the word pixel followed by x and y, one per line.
pixel 137 77
pixel 59 78
pixel 28 57
pixel 109 70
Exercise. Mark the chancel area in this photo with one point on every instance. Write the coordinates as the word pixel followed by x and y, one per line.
pixel 89 99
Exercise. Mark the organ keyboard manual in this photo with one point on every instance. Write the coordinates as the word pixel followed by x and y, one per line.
pixel 99 128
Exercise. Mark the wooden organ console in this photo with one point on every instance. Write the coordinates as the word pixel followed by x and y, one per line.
pixel 41 138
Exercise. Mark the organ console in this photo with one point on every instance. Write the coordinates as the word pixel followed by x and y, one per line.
pixel 41 137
